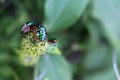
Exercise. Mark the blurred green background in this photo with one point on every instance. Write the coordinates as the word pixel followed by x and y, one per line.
pixel 87 32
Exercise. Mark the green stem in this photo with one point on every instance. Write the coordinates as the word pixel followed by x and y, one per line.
pixel 115 66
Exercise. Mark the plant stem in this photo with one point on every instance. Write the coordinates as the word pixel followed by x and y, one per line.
pixel 115 66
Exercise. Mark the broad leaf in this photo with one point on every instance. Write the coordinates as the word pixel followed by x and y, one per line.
pixel 108 12
pixel 53 67
pixel 60 14
pixel 98 57
pixel 105 75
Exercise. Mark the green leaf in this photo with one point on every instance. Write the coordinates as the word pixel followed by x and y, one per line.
pixel 53 67
pixel 108 12
pixel 105 75
pixel 98 57
pixel 59 14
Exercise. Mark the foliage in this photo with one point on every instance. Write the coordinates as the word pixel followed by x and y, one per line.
pixel 87 31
